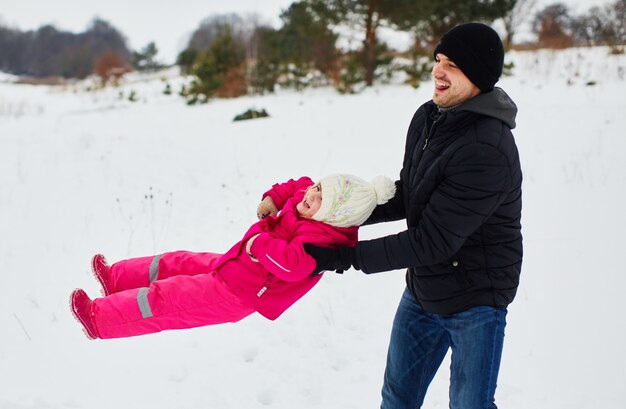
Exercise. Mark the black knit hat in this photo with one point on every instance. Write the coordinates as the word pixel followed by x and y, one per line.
pixel 477 50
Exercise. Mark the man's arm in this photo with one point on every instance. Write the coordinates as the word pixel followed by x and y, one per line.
pixel 391 211
pixel 477 181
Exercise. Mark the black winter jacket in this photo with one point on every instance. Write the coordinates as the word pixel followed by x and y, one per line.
pixel 460 193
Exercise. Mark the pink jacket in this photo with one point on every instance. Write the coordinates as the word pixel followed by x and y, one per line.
pixel 283 272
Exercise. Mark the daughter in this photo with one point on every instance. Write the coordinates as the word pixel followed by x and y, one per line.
pixel 267 271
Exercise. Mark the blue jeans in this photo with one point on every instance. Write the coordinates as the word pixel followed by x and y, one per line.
pixel 419 343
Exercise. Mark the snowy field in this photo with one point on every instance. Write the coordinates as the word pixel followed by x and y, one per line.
pixel 84 172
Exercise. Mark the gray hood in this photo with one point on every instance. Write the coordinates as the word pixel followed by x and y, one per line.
pixel 496 104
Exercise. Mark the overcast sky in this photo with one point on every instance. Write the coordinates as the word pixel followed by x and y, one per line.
pixel 169 24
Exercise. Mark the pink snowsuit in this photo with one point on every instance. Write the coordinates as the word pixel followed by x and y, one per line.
pixel 182 289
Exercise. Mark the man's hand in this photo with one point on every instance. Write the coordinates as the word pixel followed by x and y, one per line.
pixel 266 208
pixel 329 258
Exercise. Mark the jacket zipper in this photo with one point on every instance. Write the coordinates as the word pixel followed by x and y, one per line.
pixel 264 288
pixel 432 129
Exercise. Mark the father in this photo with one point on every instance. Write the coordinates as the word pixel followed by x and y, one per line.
pixel 460 193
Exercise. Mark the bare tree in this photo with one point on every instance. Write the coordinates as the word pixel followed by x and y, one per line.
pixel 601 26
pixel 519 14
pixel 243 30
pixel 553 26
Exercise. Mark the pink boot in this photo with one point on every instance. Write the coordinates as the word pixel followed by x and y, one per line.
pixel 101 271
pixel 82 307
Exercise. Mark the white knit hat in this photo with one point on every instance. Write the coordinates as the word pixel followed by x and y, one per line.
pixel 348 200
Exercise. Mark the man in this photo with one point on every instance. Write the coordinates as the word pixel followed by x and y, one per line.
pixel 460 193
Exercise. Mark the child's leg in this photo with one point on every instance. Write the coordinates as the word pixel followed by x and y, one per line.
pixel 142 271
pixel 175 303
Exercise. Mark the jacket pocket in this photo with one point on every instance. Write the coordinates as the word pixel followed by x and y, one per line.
pixel 457 268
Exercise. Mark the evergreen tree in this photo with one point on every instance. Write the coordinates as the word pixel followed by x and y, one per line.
pixel 227 52
pixel 218 70
pixel 145 60
pixel 366 14
pixel 266 68
pixel 207 79
pixel 186 59
pixel 306 40
pixel 430 20
pixel 303 44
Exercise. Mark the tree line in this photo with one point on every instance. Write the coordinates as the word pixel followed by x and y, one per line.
pixel 231 55
pixel 49 52
pixel 556 27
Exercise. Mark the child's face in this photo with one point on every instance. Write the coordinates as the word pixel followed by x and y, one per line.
pixel 312 201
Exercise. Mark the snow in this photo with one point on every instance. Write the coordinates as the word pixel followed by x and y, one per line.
pixel 85 171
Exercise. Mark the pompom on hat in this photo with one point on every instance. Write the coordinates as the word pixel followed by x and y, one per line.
pixel 477 50
pixel 348 200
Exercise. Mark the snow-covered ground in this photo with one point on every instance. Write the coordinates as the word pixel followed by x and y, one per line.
pixel 88 171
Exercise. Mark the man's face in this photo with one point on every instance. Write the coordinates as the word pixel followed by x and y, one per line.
pixel 452 87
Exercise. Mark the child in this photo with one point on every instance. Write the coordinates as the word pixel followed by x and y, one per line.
pixel 267 271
